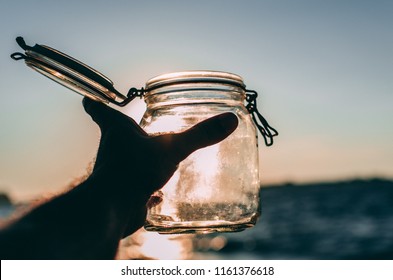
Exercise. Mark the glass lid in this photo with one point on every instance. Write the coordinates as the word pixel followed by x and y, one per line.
pixel 72 74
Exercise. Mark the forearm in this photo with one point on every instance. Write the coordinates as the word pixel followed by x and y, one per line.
pixel 85 223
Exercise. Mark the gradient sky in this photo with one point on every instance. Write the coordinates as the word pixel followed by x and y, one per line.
pixel 324 71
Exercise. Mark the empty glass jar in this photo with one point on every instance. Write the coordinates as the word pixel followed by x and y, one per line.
pixel 216 189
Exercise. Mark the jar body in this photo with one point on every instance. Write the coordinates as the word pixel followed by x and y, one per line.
pixel 215 189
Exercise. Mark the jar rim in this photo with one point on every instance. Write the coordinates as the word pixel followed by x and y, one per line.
pixel 198 76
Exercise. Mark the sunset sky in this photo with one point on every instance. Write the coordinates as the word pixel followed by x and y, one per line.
pixel 324 71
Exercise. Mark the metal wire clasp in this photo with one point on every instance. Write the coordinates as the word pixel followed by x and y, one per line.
pixel 132 93
pixel 264 128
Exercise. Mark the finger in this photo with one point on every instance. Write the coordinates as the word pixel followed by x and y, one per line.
pixel 107 117
pixel 99 112
pixel 206 133
pixel 154 200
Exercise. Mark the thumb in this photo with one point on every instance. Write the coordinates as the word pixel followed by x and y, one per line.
pixel 206 133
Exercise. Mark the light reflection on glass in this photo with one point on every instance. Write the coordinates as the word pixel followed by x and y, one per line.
pixel 207 162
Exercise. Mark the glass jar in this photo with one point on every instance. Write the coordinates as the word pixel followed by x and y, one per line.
pixel 215 189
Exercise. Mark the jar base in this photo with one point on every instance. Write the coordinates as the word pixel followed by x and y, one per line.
pixel 200 227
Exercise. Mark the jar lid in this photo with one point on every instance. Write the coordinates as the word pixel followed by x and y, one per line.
pixel 201 76
pixel 68 72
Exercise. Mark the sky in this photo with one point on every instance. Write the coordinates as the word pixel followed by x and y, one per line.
pixel 323 69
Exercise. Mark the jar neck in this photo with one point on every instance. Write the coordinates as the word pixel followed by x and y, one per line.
pixel 195 93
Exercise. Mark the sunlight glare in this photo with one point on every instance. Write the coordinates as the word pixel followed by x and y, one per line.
pixel 165 247
pixel 206 163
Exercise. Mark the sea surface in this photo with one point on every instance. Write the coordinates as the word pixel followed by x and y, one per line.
pixel 341 220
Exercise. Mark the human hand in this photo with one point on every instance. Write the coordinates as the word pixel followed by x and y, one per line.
pixel 88 221
pixel 136 164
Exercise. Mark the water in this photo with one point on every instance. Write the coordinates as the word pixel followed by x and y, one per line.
pixel 350 220
pixel 344 220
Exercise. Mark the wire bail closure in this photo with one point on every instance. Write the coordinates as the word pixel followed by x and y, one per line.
pixel 264 128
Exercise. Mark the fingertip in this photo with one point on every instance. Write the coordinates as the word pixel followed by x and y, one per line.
pixel 228 122
pixel 97 111
pixel 86 102
pixel 203 134
pixel 91 105
pixel 106 116
pixel 153 201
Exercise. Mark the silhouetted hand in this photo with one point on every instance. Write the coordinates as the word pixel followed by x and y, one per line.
pixel 88 221
pixel 140 164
